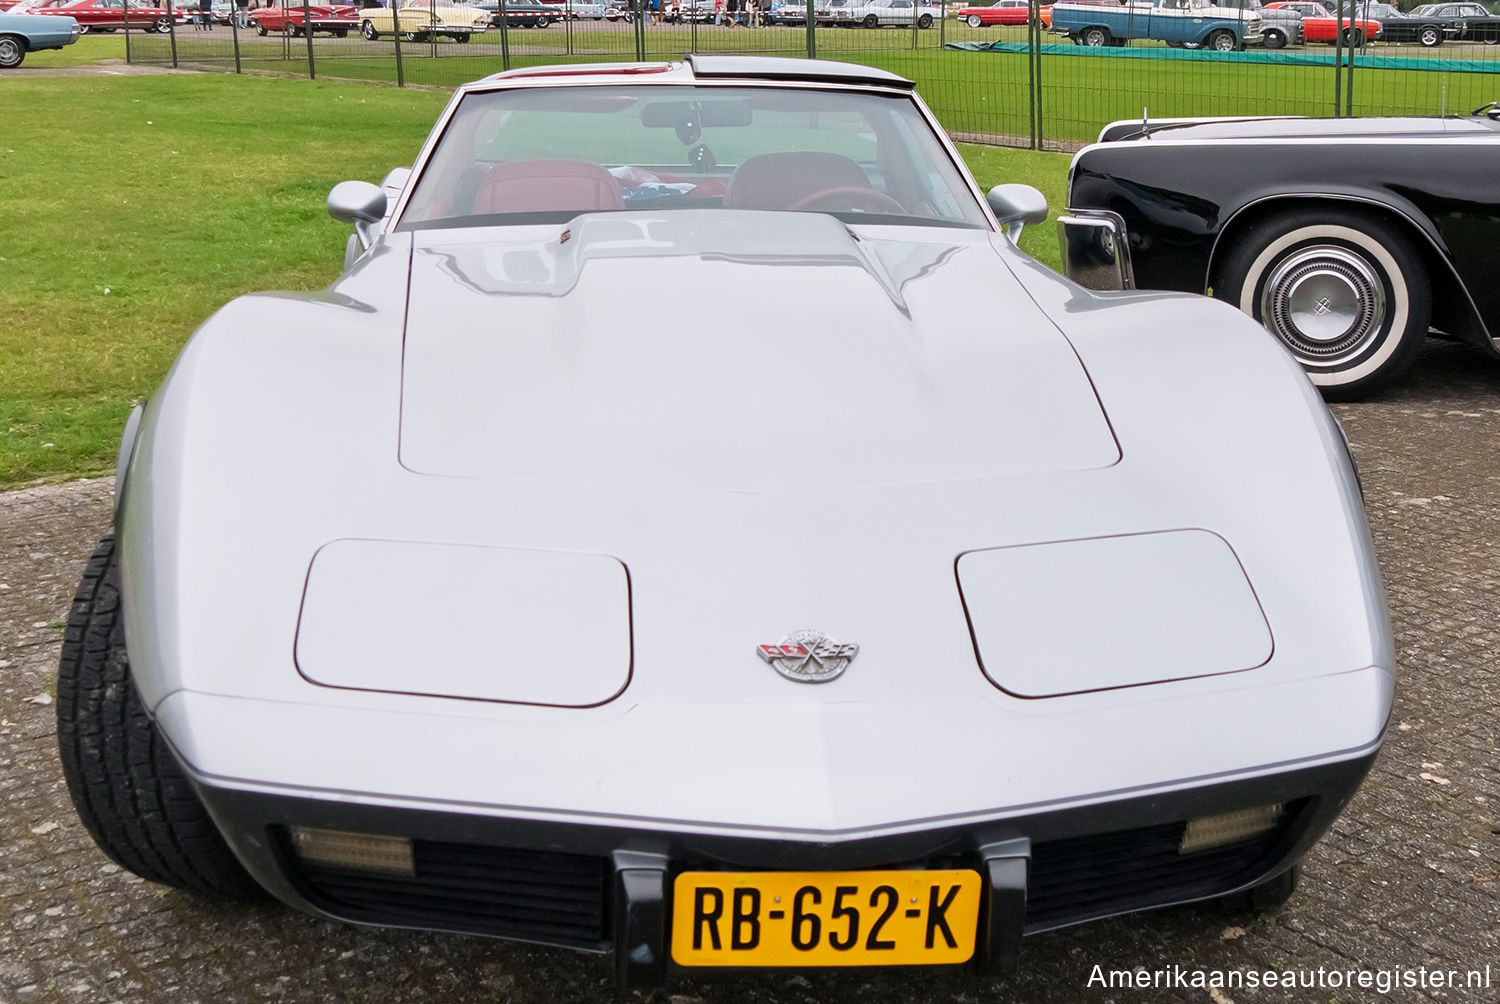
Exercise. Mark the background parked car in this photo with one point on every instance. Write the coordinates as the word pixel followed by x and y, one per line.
pixel 23 33
pixel 108 15
pixel 1471 21
pixel 787 12
pixel 1320 25
pixel 999 12
pixel 520 13
pixel 1397 26
pixel 291 19
pixel 1279 26
pixel 421 22
pixel 1347 238
pixel 885 13
pixel 578 10
pixel 690 11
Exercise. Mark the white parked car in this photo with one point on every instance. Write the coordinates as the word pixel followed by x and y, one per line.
pixel 879 13
pixel 591 10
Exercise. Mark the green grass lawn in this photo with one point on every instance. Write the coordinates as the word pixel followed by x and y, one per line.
pixel 135 206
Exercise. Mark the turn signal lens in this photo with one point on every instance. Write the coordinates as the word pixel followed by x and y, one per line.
pixel 364 851
pixel 1215 831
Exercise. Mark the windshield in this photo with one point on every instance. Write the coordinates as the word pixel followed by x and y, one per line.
pixel 546 154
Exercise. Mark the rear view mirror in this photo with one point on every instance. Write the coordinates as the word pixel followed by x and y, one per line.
pixel 1096 249
pixel 687 114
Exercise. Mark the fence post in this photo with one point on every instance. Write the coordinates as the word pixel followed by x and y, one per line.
pixel 641 13
pixel 1338 57
pixel 504 38
pixel 172 34
pixel 127 35
pixel 1034 72
pixel 307 32
pixel 812 33
pixel 396 37
pixel 1355 33
pixel 234 33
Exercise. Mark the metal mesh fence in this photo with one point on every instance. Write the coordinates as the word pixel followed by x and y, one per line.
pixel 1012 84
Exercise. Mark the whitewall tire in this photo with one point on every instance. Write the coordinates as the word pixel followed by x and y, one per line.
pixel 1345 292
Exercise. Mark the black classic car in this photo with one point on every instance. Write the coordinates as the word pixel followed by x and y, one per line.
pixel 1347 238
pixel 1399 26
pixel 520 13
pixel 1472 21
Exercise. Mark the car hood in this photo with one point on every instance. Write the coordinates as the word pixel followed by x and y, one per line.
pixel 730 351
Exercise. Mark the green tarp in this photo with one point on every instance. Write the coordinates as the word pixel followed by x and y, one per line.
pixel 1324 56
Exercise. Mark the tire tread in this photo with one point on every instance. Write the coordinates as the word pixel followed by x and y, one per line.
pixel 130 793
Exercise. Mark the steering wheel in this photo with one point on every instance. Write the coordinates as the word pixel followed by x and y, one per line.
pixel 853 197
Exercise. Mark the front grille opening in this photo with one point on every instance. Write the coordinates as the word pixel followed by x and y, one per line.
pixel 539 896
pixel 1103 874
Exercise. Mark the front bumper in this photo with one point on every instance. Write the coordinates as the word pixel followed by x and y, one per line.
pixel 605 887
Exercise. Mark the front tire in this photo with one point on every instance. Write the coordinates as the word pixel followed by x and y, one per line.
pixel 1430 36
pixel 975 21
pixel 1223 41
pixel 1274 39
pixel 1354 38
pixel 1345 292
pixel 162 24
pixel 129 791
pixel 260 30
pixel 12 52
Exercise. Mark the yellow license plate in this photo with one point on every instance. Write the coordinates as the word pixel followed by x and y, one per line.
pixel 884 918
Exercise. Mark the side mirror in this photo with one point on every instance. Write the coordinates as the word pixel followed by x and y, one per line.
pixel 1096 249
pixel 356 202
pixel 362 204
pixel 1016 206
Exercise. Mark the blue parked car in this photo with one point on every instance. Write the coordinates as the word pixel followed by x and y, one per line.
pixel 23 33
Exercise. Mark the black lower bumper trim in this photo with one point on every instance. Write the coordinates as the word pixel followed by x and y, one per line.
pixel 587 887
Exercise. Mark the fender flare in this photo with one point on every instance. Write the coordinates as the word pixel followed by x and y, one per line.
pixel 127 451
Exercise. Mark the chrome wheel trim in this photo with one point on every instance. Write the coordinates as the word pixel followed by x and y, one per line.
pixel 1325 303
pixel 10 52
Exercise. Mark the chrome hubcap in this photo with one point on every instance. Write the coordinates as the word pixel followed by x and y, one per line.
pixel 1325 303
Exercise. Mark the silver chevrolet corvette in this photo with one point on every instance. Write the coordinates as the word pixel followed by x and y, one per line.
pixel 691 529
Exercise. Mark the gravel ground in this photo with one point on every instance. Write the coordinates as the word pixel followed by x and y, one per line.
pixel 1409 876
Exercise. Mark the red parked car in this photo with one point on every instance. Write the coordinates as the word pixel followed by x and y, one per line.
pixel 337 20
pixel 999 12
pixel 108 15
pixel 1319 24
